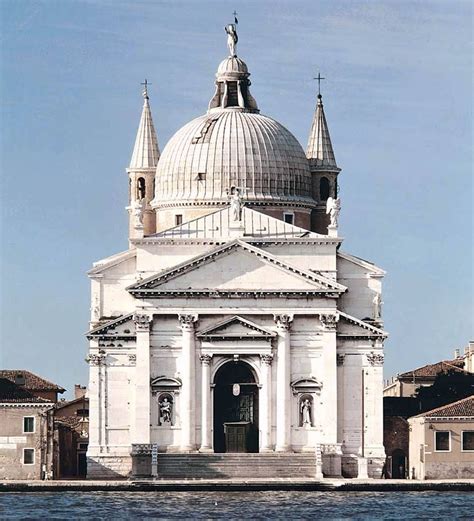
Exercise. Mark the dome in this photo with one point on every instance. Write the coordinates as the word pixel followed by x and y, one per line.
pixel 232 147
pixel 232 65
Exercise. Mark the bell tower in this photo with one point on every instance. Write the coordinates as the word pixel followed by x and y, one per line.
pixel 141 173
pixel 324 170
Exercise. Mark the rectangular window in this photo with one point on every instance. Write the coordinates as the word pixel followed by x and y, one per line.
pixel 468 440
pixel 288 217
pixel 83 412
pixel 178 219
pixel 442 441
pixel 29 424
pixel 28 456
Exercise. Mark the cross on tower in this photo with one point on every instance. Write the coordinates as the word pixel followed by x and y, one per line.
pixel 145 88
pixel 235 17
pixel 319 78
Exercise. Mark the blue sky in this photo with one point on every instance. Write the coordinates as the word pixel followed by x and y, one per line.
pixel 398 99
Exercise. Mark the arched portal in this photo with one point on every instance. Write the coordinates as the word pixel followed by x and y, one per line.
pixel 235 409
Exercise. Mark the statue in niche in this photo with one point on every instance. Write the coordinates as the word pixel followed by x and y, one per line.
pixel 232 38
pixel 377 302
pixel 138 208
pixel 165 410
pixel 333 209
pixel 305 410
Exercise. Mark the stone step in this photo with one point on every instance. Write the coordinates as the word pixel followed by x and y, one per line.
pixel 235 465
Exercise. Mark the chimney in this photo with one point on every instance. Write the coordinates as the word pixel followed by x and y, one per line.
pixel 19 379
pixel 457 353
pixel 79 391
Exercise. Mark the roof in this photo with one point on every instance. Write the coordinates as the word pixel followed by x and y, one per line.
pixel 464 407
pixel 226 148
pixel 432 370
pixel 32 381
pixel 218 225
pixel 13 393
pixel 145 152
pixel 319 150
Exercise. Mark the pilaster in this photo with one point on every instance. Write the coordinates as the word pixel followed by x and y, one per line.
pixel 141 412
pixel 188 355
pixel 266 403
pixel 283 420
pixel 206 445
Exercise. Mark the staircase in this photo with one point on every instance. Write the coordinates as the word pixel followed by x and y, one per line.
pixel 236 465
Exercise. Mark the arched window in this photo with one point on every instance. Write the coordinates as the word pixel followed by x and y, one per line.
pixel 141 188
pixel 324 188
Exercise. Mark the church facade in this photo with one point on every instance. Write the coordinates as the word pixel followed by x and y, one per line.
pixel 234 323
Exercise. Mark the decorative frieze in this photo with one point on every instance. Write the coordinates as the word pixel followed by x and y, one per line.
pixel 331 448
pixel 142 321
pixel 340 359
pixel 283 321
pixel 141 449
pixel 329 321
pixel 375 359
pixel 266 359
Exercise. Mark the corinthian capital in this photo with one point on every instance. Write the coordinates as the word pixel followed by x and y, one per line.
pixel 205 359
pixel 142 321
pixel 283 321
pixel 375 359
pixel 329 321
pixel 266 359
pixel 187 321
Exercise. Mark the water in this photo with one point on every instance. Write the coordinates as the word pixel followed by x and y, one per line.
pixel 237 505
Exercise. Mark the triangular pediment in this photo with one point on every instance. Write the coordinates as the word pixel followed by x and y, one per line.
pixel 220 225
pixel 235 327
pixel 236 269
pixel 351 327
pixel 120 327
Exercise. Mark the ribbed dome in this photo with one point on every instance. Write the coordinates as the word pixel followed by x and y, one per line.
pixel 232 65
pixel 232 147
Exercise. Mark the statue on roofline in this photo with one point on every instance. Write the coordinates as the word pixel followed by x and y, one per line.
pixel 232 38
pixel 333 208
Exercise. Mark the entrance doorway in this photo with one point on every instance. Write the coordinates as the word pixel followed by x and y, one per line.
pixel 235 409
pixel 399 464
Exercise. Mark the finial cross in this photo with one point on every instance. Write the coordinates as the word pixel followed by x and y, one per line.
pixel 319 78
pixel 145 87
pixel 235 17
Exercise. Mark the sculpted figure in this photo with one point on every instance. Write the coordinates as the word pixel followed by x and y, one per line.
pixel 138 209
pixel 165 410
pixel 333 208
pixel 235 203
pixel 306 412
pixel 377 302
pixel 232 38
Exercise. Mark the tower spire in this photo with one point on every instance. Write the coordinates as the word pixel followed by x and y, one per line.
pixel 145 152
pixel 319 150
pixel 141 172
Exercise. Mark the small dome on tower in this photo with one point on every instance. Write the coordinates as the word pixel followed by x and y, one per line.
pixel 232 65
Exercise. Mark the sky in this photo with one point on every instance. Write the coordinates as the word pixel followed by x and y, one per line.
pixel 398 100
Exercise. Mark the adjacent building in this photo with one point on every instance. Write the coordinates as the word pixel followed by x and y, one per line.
pixel 234 322
pixel 442 442
pixel 27 404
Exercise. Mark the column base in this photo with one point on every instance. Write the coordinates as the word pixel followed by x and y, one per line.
pixel 266 449
pixel 187 448
pixel 283 448
pixel 206 450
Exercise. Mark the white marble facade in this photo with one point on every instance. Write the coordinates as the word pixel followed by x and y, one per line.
pixel 220 290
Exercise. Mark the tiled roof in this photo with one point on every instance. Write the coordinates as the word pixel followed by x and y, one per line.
pixel 12 393
pixel 432 370
pixel 464 407
pixel 32 382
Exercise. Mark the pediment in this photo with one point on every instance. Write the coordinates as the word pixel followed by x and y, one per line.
pixel 351 327
pixel 236 328
pixel 166 383
pixel 235 269
pixel 305 384
pixel 122 327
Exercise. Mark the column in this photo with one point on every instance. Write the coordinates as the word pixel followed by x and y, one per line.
pixel 141 418
pixel 206 445
pixel 188 383
pixel 283 419
pixel 95 397
pixel 265 403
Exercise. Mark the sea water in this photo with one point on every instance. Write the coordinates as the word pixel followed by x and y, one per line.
pixel 237 505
